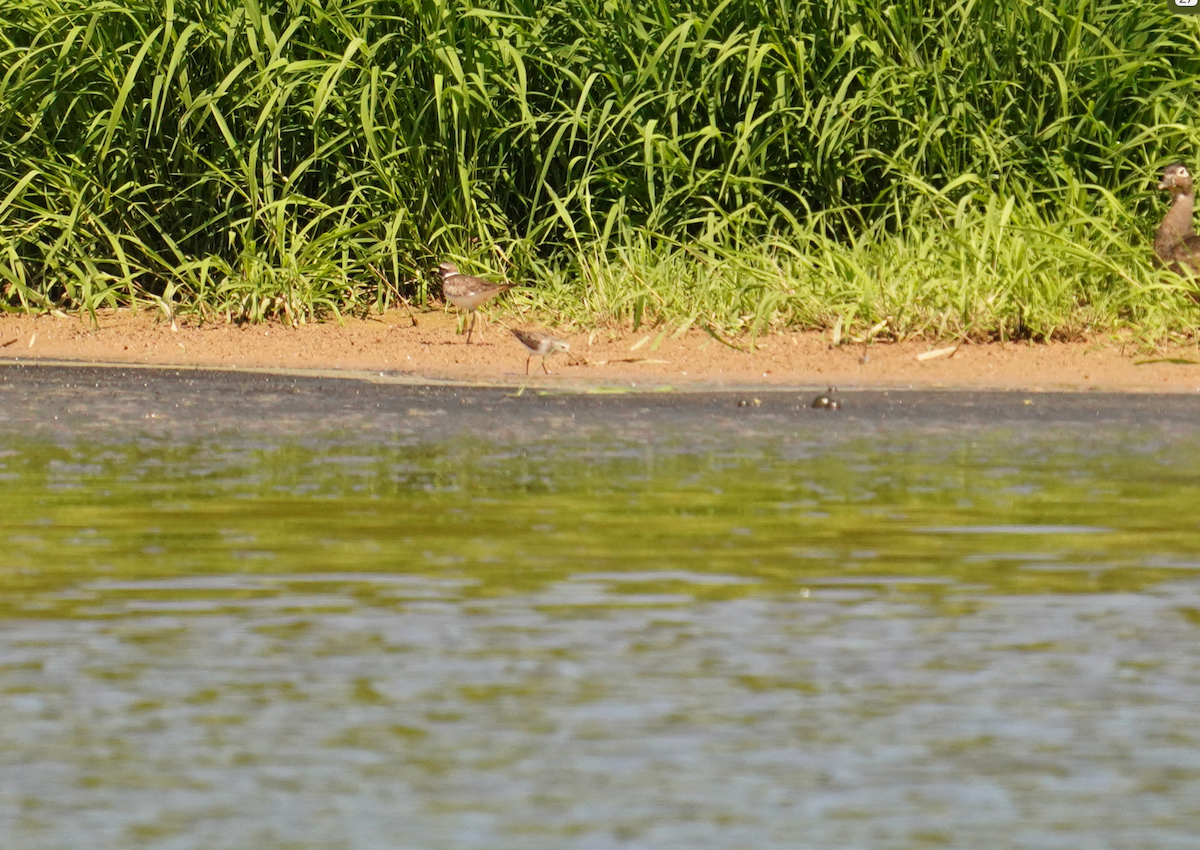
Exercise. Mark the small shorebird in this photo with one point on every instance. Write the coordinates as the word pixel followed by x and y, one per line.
pixel 539 343
pixel 466 292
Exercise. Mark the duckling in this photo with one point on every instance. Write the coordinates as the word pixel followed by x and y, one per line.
pixel 1176 243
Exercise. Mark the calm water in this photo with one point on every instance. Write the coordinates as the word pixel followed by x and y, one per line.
pixel 270 612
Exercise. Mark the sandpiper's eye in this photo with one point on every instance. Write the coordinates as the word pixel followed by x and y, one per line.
pixel 1182 172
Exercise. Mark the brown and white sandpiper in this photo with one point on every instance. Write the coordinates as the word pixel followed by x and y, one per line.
pixel 467 292
pixel 539 343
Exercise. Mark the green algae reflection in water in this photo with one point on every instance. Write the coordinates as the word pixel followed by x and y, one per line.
pixel 780 515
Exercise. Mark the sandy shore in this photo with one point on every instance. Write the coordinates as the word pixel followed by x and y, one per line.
pixel 432 349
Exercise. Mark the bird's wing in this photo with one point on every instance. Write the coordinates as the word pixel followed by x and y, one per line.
pixel 480 285
pixel 1187 251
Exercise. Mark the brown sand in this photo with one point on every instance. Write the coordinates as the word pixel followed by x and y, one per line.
pixel 433 350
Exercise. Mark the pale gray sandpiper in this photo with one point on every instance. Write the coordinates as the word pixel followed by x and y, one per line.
pixel 467 292
pixel 539 343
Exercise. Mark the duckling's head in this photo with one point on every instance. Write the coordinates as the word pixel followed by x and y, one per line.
pixel 1177 180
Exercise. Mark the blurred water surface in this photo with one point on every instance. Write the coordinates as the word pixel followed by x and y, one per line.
pixel 287 613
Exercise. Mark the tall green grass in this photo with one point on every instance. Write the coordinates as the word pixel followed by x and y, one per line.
pixel 896 169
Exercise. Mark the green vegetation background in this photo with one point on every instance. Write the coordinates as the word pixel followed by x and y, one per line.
pixel 883 170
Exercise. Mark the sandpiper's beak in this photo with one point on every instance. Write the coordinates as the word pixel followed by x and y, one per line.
pixel 1163 186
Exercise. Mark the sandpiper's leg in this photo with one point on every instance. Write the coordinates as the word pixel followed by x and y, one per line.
pixel 527 359
pixel 544 369
pixel 471 327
